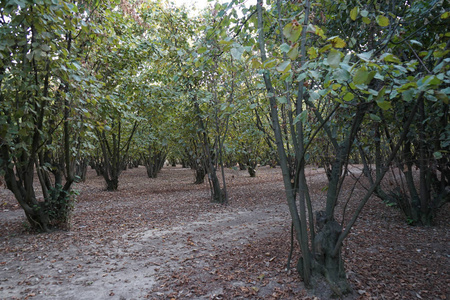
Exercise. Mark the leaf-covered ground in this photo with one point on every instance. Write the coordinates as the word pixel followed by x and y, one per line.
pixel 162 239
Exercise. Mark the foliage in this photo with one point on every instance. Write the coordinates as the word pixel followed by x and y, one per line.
pixel 45 86
pixel 333 71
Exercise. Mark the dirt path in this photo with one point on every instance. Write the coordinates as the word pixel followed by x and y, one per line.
pixel 130 270
pixel 128 263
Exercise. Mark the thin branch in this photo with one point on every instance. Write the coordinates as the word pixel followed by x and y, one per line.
pixel 346 232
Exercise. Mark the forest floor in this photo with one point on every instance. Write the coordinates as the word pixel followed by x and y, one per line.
pixel 163 239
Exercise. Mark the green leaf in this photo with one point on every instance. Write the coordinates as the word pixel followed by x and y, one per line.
pixel 349 97
pixel 375 117
pixel 384 105
pixel 354 13
pixel 284 66
pixel 428 81
pixel 314 74
pixel 334 58
pixel 414 42
pixel 256 64
pixel 382 21
pixel 201 50
pixel 361 76
pixel 285 75
pixel 314 95
pixel 237 52
pixel 441 96
pixel 388 57
pixel 342 75
pixel 381 94
pixel 225 42
pixel 325 48
pixel 285 48
pixel 379 76
pixel 253 106
pixel 408 95
pixel 303 116
pixel 407 86
pixel 282 100
pixel 270 63
pixel 445 15
pixel 45 47
pixel 437 155
pixel 302 76
pixel 365 55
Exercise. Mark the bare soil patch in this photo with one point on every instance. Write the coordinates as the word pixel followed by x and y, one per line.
pixel 163 239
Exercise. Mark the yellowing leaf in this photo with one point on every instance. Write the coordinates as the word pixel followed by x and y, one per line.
pixel 320 32
pixel 382 21
pixel 312 52
pixel 293 52
pixel 439 53
pixel 336 86
pixel 445 15
pixel 354 13
pixel 292 32
pixel 287 30
pixel 337 42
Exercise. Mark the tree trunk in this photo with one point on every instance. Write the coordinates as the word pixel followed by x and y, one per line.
pixel 154 162
pixel 325 262
pixel 251 171
pixel 81 169
pixel 112 184
pixel 217 194
pixel 200 174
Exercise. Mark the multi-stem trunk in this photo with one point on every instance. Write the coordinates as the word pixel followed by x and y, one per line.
pixel 217 194
pixel 287 179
